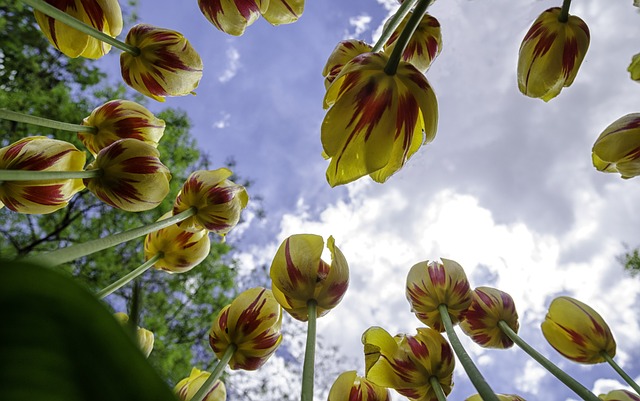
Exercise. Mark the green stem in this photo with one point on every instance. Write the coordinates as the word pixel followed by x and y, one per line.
pixel 564 12
pixel 473 373
pixel 65 18
pixel 405 36
pixel 309 353
pixel 393 24
pixel 29 175
pixel 44 122
pixel 215 375
pixel 568 381
pixel 437 388
pixel 72 252
pixel 130 276
pixel 621 372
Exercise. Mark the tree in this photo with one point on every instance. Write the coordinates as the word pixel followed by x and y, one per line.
pixel 631 261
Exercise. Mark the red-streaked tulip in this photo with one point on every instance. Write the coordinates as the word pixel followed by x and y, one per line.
pixel 617 149
pixel 407 363
pixel 551 54
pixel 634 67
pixel 166 66
pixel 103 15
pixel 133 177
pixel 344 52
pixel 501 397
pixel 619 395
pixel 480 321
pixel 425 43
pixel 283 11
pixel 431 284
pixel 39 153
pixel 376 121
pixel 181 250
pixel 252 322
pixel 351 387
pixel 299 275
pixel 233 16
pixel 219 201
pixel 578 332
pixel 120 119
pixel 145 337
pixel 189 386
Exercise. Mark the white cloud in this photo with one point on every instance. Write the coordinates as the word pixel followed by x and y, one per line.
pixel 233 64
pixel 223 121
pixel 360 23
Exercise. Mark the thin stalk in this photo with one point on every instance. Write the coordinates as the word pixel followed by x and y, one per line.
pixel 215 375
pixel 621 372
pixel 116 285
pixel 44 122
pixel 309 353
pixel 405 36
pixel 72 252
pixel 564 11
pixel 437 388
pixel 473 373
pixel 393 23
pixel 29 175
pixel 568 381
pixel 65 18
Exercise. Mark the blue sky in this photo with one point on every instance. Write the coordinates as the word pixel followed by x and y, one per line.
pixel 507 188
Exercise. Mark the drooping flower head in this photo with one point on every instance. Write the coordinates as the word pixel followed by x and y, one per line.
pixel 218 200
pixel 299 275
pixel 233 16
pixel 39 153
pixel 283 11
pixel 617 149
pixel 344 52
pixel 166 66
pixel 480 321
pixel 252 322
pixel 104 15
pixel 144 337
pixel 425 43
pixel 431 284
pixel 501 397
pixel 407 363
pixel 619 395
pixel 578 332
pixel 133 177
pixel 376 121
pixel 120 119
pixel 351 387
pixel 551 54
pixel 189 386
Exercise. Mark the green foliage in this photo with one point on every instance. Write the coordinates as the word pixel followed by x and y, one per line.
pixel 631 261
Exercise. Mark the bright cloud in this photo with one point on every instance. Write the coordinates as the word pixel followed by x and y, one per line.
pixel 360 24
pixel 233 64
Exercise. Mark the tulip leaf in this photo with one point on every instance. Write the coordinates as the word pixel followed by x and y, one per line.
pixel 59 343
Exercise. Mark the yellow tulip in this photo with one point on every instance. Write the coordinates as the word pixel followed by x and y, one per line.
pixel 425 43
pixel 233 16
pixel 617 149
pixel 189 386
pixel 501 397
pixel 344 52
pixel 634 67
pixel 351 387
pixel 619 395
pixel 283 11
pixel 480 321
pixel 145 337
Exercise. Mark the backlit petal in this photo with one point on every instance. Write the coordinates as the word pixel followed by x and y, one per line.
pixel 617 149
pixel 189 386
pixel 233 16
pixel 284 11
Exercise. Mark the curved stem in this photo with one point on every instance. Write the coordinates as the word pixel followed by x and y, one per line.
pixel 44 122
pixel 621 372
pixel 65 18
pixel 564 12
pixel 568 381
pixel 309 353
pixel 393 23
pixel 128 277
pixel 437 388
pixel 72 252
pixel 474 374
pixel 29 175
pixel 405 36
pixel 215 375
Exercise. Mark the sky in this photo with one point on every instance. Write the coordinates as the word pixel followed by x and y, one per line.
pixel 507 188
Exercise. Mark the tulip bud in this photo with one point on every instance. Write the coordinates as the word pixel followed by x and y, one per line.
pixel 480 321
pixel 501 397
pixel 578 332
pixel 283 11
pixel 634 67
pixel 344 52
pixel 218 201
pixel 551 54
pixel 619 395
pixel 144 337
pixel 233 16
pixel 351 387
pixel 298 275
pixel 133 177
pixel 120 119
pixel 425 43
pixel 252 323
pixel 103 15
pixel 431 284
pixel 617 149
pixel 39 153
pixel 166 66
pixel 189 386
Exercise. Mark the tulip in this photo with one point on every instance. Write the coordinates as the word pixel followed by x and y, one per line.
pixel 120 119
pixel 166 65
pixel 425 43
pixel 578 332
pixel 407 363
pixel 376 121
pixel 233 16
pixel 180 250
pixel 344 52
pixel 351 387
pixel 634 67
pixel 480 321
pixel 298 275
pixel 619 395
pixel 283 11
pixel 252 324
pixel 501 397
pixel 551 54
pixel 189 386
pixel 617 149
pixel 133 177
pixel 431 284
pixel 144 337
pixel 103 15
pixel 218 200
pixel 37 154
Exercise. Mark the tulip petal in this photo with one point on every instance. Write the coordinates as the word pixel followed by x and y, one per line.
pixel 284 11
pixel 233 16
